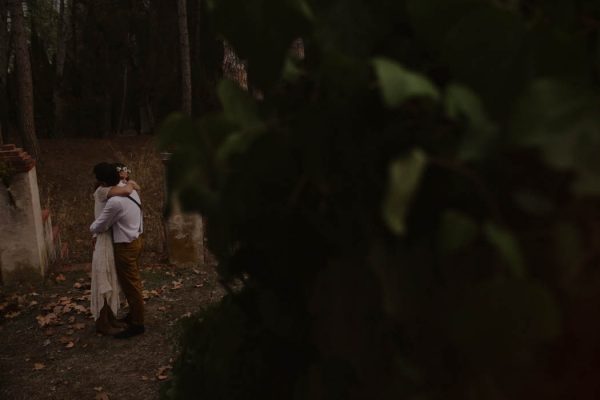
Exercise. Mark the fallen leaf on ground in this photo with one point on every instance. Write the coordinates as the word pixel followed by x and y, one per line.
pixel 161 374
pixel 38 366
pixel 79 326
pixel 162 308
pixel 80 308
pixel 177 284
pixel 98 388
pixel 46 342
pixel 71 319
pixel 102 396
pixel 12 314
pixel 60 278
pixel 77 285
pixel 148 294
pixel 48 319
pixel 69 345
pixel 65 339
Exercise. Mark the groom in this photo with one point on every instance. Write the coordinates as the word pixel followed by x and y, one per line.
pixel 124 216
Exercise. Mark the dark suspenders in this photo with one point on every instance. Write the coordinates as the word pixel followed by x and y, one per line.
pixel 141 211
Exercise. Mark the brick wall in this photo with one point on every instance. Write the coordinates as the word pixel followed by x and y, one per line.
pixel 18 159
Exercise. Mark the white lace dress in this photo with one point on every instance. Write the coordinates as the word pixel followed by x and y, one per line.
pixel 105 284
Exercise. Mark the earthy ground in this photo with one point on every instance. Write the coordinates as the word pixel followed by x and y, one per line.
pixel 49 349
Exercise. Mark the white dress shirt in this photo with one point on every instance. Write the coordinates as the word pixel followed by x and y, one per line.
pixel 123 215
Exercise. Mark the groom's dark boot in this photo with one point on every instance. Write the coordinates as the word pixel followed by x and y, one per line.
pixel 125 320
pixel 131 330
pixel 116 323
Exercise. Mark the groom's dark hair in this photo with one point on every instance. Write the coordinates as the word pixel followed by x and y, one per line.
pixel 106 173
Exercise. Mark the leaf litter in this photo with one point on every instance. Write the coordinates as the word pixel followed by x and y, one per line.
pixel 59 317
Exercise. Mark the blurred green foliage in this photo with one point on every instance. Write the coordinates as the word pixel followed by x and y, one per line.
pixel 411 207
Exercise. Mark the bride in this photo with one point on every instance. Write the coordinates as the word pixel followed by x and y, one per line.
pixel 105 285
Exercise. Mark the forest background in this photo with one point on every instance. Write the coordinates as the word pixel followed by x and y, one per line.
pixel 406 203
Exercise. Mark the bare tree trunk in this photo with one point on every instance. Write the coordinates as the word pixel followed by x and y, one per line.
pixel 123 99
pixel 184 49
pixel 146 116
pixel 3 68
pixel 24 79
pixel 61 51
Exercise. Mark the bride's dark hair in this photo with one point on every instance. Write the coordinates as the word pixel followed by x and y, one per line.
pixel 106 173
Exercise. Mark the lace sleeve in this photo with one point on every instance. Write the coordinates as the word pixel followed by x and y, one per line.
pixel 101 194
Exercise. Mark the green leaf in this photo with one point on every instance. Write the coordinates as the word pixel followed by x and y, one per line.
pixel 291 71
pixel 462 102
pixel 238 143
pixel 507 247
pixel 533 203
pixel 404 177
pixel 237 103
pixel 457 231
pixel 548 108
pixel 561 119
pixel 397 84
pixel 176 129
pixel 485 50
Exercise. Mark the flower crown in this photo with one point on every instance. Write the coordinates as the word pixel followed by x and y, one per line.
pixel 123 169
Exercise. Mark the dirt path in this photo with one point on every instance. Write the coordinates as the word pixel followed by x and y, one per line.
pixel 51 351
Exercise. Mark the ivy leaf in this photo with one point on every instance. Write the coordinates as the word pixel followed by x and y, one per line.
pixel 561 120
pixel 462 102
pixel 398 84
pixel 485 49
pixel 507 247
pixel 404 177
pixel 238 104
pixel 457 230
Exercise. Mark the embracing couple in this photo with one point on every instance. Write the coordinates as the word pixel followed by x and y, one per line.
pixel 117 232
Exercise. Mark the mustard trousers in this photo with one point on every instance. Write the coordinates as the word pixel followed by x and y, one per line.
pixel 128 272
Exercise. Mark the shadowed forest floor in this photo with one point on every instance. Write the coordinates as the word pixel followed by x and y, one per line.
pixel 50 349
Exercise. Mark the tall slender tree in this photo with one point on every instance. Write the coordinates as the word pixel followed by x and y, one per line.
pixel 184 48
pixel 24 79
pixel 61 52
pixel 3 68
